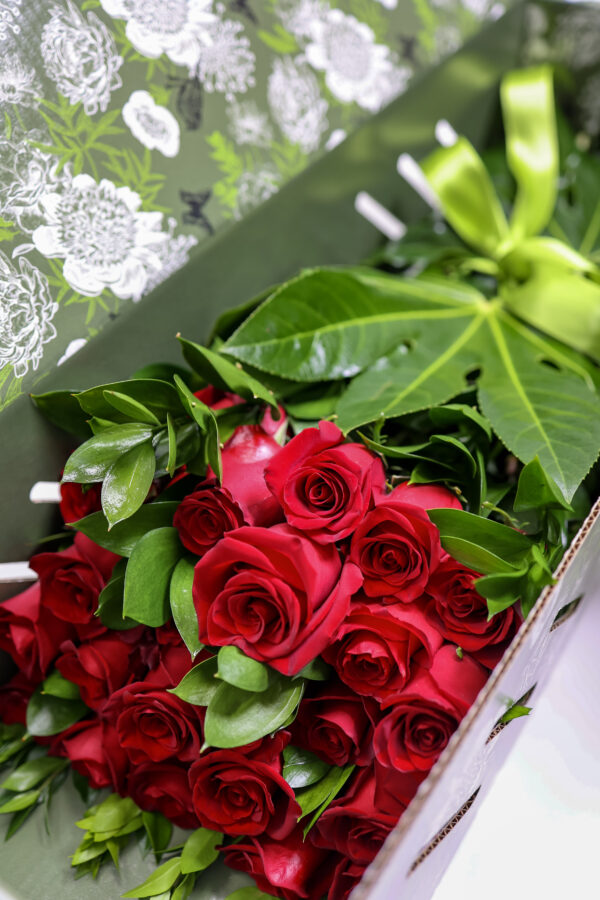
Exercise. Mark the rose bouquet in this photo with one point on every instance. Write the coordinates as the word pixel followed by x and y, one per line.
pixel 289 567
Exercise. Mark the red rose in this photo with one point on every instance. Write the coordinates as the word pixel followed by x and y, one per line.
pixel 98 667
pixel 273 593
pixel 161 652
pixel 324 485
pixel 290 868
pixel 461 614
pixel 240 796
pixel 353 825
pixel 427 712
pixel 202 518
pixel 154 725
pixel 216 399
pixel 427 496
pixel 79 500
pixel 72 579
pixel 396 548
pixel 244 459
pixel 14 697
pixel 337 725
pixel 394 790
pixel 346 876
pixel 30 633
pixel 375 646
pixel 163 788
pixel 92 747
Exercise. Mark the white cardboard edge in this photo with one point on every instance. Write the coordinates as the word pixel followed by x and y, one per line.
pixel 380 217
pixel 15 572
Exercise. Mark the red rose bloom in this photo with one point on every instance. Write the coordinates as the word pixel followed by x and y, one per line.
pixel 163 788
pixel 98 667
pixel 394 790
pixel 236 795
pixel 346 876
pixel 461 614
pixel 427 712
pixel 375 646
pixel 14 697
pixel 79 500
pixel 72 579
pixel 290 868
pixel 203 517
pixel 92 747
pixel 154 725
pixel 337 725
pixel 273 593
pixel 244 459
pixel 324 485
pixel 30 633
pixel 353 825
pixel 427 496
pixel 396 548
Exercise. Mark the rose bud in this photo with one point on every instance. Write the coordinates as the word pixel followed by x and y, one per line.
pixel 374 647
pixel 427 712
pixel 237 795
pixel 14 697
pixel 324 485
pixel 72 579
pixel 217 399
pixel 244 459
pixel 461 614
pixel 163 788
pixel 92 747
pixel 30 633
pixel 346 876
pixel 99 667
pixel 290 868
pixel 203 517
pixel 427 496
pixel 337 725
pixel 79 500
pixel 273 593
pixel 352 825
pixel 396 548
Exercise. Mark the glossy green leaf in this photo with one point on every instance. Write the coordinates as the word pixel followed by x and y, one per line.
pixel 47 715
pixel 240 670
pixel 205 418
pixel 536 489
pixel 317 797
pixel 187 445
pixel 184 888
pixel 58 686
pixel 200 684
pixel 302 768
pixel 172 441
pixel 110 601
pixel 112 815
pixel 127 483
pixel 92 460
pixel 130 408
pixel 502 589
pixel 123 537
pixel 199 851
pixel 148 576
pixel 182 605
pixel 158 830
pixel 500 540
pixel 157 396
pixel 248 893
pixel 20 802
pixel 162 879
pixel 316 670
pixel 235 717
pixel 515 712
pixel 31 773
pixel 62 409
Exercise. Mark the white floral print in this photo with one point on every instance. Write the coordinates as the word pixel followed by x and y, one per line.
pixel 589 104
pixel 103 237
pixel 18 82
pixel 26 313
pixel 174 27
pixel 576 36
pixel 80 56
pixel 296 103
pixel 26 173
pixel 153 125
pixel 173 254
pixel 254 187
pixel 226 62
pixel 248 124
pixel 73 347
pixel 299 16
pixel 356 68
pixel 10 11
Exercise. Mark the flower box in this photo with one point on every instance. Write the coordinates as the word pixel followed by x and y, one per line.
pixel 311 221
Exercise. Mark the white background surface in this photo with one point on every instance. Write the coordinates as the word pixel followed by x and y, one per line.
pixel 536 836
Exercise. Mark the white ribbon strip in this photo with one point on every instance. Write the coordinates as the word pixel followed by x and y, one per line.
pixel 412 173
pixel 45 492
pixel 385 221
pixel 15 572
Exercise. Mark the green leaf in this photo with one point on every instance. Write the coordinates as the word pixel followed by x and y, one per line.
pixel 328 324
pixel 58 686
pixel 172 439
pixel 110 601
pixel 248 893
pixel 227 376
pixel 182 605
pixel 302 768
pixel 20 802
pixel 148 575
pixel 317 670
pixel 199 685
pixel 187 445
pixel 47 715
pixel 92 460
pixel 156 396
pixel 483 545
pixel 127 483
pixel 536 489
pixel 316 798
pixel 159 831
pixel 515 712
pixel 161 880
pixel 30 773
pixel 235 717
pixel 112 815
pixel 184 888
pixel 205 418
pixel 62 409
pixel 239 670
pixel 131 408
pixel 122 538
pixel 199 850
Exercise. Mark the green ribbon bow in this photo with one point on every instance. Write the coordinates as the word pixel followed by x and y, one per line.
pixel 543 280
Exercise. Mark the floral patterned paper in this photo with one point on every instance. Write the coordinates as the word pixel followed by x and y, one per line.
pixel 133 130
